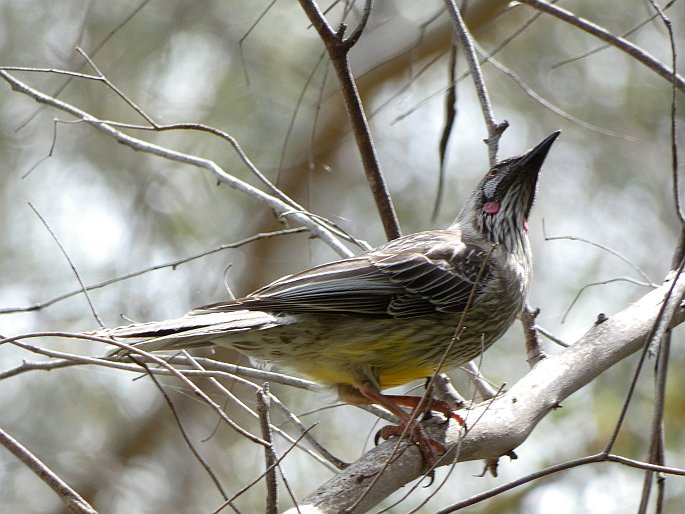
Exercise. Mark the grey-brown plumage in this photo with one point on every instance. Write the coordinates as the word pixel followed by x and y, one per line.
pixel 387 316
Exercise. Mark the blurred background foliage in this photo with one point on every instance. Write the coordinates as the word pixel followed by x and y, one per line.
pixel 263 80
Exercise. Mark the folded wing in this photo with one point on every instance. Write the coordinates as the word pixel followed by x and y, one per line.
pixel 416 275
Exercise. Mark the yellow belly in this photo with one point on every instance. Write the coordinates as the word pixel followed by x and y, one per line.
pixel 389 361
pixel 348 350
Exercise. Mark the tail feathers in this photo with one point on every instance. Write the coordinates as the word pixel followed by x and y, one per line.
pixel 190 331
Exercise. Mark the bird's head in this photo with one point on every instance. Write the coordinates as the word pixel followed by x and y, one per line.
pixel 500 205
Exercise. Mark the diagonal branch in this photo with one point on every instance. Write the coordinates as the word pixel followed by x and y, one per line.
pixel 70 497
pixel 616 41
pixel 507 421
pixel 278 205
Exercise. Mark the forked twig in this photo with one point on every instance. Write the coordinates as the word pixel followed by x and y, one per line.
pixel 338 47
pixel 273 201
pixel 494 128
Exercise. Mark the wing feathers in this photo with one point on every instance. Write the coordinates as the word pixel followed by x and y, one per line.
pixel 407 277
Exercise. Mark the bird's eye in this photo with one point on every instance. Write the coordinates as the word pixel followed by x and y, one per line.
pixel 493 173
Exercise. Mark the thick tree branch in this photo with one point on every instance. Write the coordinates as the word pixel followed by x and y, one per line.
pixel 497 427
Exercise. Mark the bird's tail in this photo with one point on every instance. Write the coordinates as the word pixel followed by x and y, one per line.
pixel 190 331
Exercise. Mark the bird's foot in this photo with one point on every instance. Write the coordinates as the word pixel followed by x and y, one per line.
pixel 428 446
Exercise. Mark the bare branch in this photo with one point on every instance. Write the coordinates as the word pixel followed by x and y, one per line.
pixel 606 249
pixel 181 429
pixel 71 498
pixel 338 48
pixel 251 484
pixel 171 264
pixel 93 52
pixel 549 105
pixel 84 289
pixel 263 406
pixel 629 280
pixel 495 129
pixel 278 205
pixel 149 358
pixel 551 336
pixel 534 349
pixel 505 422
pixel 591 459
pixel 674 112
pixel 616 41
pixel 482 385
pixel 605 46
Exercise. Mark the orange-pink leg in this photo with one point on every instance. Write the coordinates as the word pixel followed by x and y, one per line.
pixel 365 394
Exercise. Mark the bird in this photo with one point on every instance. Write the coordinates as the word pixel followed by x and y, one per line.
pixel 422 303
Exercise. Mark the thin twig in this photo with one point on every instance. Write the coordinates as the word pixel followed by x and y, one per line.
pixel 171 264
pixel 669 306
pixel 263 404
pixel 251 484
pixel 94 52
pixel 604 47
pixel 629 280
pixel 495 129
pixel 550 106
pixel 487 57
pixel 181 429
pixel 273 202
pixel 71 498
pixel 663 344
pixel 590 459
pixel 482 385
pixel 551 336
pixel 195 362
pixel 153 125
pixel 338 48
pixel 241 41
pixel 216 369
pixel 601 247
pixel 149 357
pixel 674 110
pixel 293 117
pixel 616 41
pixel 292 418
pixel 656 447
pixel 502 44
pixel 84 290
pixel 101 76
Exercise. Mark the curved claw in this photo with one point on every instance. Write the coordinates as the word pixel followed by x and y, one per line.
pixel 377 437
pixel 427 446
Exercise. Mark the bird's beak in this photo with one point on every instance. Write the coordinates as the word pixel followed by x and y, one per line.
pixel 535 157
pixel 529 168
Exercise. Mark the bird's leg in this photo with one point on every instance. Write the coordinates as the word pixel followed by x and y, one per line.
pixel 426 405
pixel 365 394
